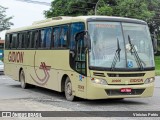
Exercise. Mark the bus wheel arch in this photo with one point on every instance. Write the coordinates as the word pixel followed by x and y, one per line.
pixel 63 82
pixel 20 72
pixel 24 85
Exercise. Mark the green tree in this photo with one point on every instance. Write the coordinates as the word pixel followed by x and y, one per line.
pixel 70 8
pixel 103 8
pixel 65 8
pixel 126 8
pixel 133 9
pixel 147 10
pixel 154 24
pixel 4 20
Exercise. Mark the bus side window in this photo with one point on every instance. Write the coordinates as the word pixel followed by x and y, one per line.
pixel 31 40
pixel 7 42
pixel 45 38
pixel 10 41
pixel 14 41
pixel 41 40
pixel 23 41
pixel 75 28
pixel 20 39
pixel 17 43
pixel 52 39
pixel 28 39
pixel 34 39
pixel 63 36
pixel 48 33
pixel 36 36
pixel 56 37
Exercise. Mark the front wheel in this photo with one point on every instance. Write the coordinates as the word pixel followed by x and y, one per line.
pixel 24 85
pixel 68 90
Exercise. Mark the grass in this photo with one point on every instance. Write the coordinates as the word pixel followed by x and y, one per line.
pixel 157 61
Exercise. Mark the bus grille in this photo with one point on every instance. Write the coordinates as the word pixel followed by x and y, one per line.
pixel 98 74
pixel 117 92
pixel 126 75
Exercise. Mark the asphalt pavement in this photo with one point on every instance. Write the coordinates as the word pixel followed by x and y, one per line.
pixel 14 98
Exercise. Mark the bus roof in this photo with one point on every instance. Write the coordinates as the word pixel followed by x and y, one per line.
pixel 66 19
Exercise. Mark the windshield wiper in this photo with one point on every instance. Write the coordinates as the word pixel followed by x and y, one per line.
pixel 116 56
pixel 134 52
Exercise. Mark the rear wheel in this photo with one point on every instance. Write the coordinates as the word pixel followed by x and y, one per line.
pixel 68 90
pixel 24 85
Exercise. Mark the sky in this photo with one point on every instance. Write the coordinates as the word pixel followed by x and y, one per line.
pixel 23 13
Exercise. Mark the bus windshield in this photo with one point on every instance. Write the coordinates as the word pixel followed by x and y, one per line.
pixel 118 45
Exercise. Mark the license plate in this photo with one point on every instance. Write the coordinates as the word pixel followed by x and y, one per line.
pixel 126 90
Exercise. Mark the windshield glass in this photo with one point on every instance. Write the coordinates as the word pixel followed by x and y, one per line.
pixel 110 47
pixel 140 38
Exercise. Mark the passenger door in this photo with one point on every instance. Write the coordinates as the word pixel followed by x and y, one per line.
pixel 78 60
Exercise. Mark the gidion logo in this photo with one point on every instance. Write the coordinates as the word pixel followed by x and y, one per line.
pixel 15 57
pixel 136 80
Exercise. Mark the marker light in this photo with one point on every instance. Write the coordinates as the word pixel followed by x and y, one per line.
pixel 149 80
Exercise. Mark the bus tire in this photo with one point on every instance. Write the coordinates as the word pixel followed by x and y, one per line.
pixel 68 90
pixel 24 85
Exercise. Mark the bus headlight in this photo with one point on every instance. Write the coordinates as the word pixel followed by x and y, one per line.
pixel 99 81
pixel 149 80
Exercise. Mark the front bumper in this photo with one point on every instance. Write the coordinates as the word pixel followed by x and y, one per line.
pixel 96 91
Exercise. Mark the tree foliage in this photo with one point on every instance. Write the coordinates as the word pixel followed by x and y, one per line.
pixel 4 20
pixel 154 23
pixel 147 10
pixel 133 9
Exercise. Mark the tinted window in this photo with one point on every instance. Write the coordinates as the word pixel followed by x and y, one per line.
pixel 56 36
pixel 47 41
pixel 28 39
pixel 60 35
pixel 63 36
pixel 34 39
pixel 14 41
pixel 21 40
pixel 7 41
pixel 45 38
pixel 41 40
pixel 75 28
pixel 10 41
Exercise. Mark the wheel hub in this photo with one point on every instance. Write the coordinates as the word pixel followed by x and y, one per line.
pixel 69 88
